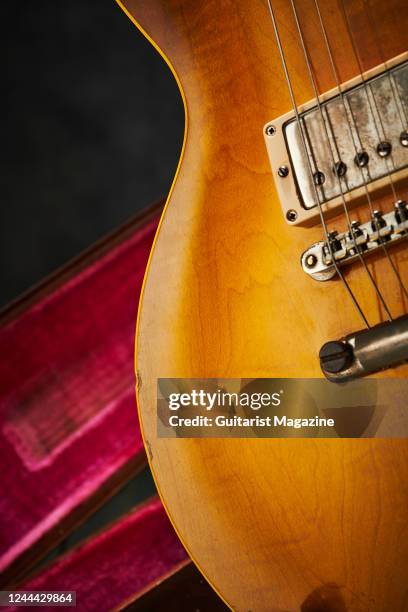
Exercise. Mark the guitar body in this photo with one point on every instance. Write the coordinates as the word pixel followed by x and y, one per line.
pixel 273 524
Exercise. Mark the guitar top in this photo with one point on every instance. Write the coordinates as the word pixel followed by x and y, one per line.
pixel 282 252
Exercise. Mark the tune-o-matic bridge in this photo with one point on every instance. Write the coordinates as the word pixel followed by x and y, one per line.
pixel 352 138
pixel 381 231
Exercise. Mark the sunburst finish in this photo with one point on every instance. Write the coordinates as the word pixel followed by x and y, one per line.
pixel 273 524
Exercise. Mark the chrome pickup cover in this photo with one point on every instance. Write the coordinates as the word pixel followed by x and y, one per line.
pixel 359 117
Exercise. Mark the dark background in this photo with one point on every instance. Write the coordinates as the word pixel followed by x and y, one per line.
pixel 91 131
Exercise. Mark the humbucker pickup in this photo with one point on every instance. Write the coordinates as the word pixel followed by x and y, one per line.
pixel 354 138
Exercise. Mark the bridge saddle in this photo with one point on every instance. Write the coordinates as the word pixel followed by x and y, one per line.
pixel 361 240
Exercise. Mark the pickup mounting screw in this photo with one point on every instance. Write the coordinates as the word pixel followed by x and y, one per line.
pixel 291 215
pixel 283 171
pixel 384 148
pixel 404 138
pixel 270 130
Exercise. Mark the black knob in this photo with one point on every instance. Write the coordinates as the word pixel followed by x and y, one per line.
pixel 335 356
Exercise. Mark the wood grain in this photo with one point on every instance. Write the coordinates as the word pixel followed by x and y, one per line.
pixel 273 524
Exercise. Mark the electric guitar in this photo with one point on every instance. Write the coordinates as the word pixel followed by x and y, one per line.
pixel 282 252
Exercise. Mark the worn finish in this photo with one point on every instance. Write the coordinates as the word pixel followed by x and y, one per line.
pixel 273 524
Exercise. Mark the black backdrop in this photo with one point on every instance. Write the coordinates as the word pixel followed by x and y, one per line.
pixel 91 131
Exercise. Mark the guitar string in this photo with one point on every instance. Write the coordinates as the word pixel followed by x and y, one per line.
pixel 339 181
pixel 299 124
pixel 391 79
pixel 343 99
pixel 401 110
pixel 400 107
pixel 404 121
pixel 366 87
pixel 358 58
